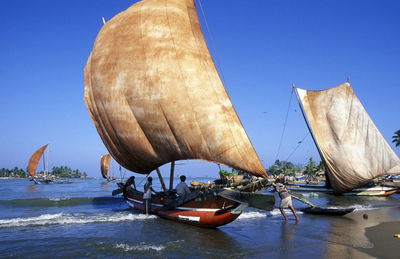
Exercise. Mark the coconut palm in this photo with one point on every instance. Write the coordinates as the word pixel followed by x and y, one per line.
pixel 396 138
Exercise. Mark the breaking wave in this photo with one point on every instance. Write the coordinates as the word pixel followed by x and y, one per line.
pixel 71 218
pixel 253 214
pixel 276 212
pixel 259 214
pixel 59 202
pixel 140 247
pixel 364 207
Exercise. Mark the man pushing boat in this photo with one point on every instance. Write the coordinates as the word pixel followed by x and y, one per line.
pixel 286 199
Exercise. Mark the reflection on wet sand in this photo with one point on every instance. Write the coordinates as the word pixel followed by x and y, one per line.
pixel 352 234
pixel 32 188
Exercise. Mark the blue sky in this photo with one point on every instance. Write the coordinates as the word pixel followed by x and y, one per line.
pixel 263 46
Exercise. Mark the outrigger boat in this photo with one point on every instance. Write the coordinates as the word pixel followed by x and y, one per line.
pixel 155 97
pixel 205 206
pixel 33 164
pixel 350 145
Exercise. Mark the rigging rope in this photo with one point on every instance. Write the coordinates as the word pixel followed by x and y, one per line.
pixel 284 124
pixel 212 43
pixel 298 145
pixel 144 179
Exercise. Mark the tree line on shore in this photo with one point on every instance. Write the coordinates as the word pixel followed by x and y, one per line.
pixel 290 169
pixel 57 171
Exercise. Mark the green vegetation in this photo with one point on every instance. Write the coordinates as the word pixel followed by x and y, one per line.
pixel 67 172
pixel 396 138
pixel 15 172
pixel 311 167
pixel 283 167
pixel 288 168
pixel 223 172
pixel 59 172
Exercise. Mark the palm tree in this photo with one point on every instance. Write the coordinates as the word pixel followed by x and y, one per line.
pixel 396 138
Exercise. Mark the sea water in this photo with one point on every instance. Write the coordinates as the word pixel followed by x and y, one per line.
pixel 78 218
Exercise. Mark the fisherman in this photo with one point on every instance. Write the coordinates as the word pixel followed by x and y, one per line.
pixel 147 194
pixel 129 182
pixel 182 189
pixel 286 199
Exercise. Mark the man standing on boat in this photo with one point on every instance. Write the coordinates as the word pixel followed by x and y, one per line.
pixel 129 182
pixel 286 200
pixel 182 189
pixel 147 194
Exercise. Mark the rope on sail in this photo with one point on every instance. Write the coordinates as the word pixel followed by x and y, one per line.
pixel 284 124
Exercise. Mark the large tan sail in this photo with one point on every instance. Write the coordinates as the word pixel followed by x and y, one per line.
pixel 155 96
pixel 34 160
pixel 105 165
pixel 352 147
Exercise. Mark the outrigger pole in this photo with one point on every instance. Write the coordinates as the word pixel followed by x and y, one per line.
pixel 171 176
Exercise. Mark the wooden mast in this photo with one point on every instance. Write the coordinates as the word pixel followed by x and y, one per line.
pixel 171 176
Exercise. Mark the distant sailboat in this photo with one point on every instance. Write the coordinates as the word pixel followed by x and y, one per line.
pixel 105 167
pixel 155 97
pixel 349 143
pixel 33 164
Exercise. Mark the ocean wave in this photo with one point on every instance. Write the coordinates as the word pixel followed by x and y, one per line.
pixel 74 218
pixel 140 247
pixel 59 202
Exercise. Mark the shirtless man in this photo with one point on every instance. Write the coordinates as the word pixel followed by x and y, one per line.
pixel 286 200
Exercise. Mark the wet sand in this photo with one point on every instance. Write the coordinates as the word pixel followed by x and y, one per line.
pixel 385 245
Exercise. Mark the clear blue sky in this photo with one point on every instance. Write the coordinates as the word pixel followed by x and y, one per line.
pixel 262 45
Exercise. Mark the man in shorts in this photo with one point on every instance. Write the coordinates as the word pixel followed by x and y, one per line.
pixel 286 200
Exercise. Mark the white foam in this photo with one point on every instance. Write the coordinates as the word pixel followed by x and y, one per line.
pixel 76 218
pixel 276 212
pixel 140 247
pixel 363 207
pixel 252 214
pixel 59 199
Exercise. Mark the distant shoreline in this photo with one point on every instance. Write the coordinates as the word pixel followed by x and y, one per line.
pixel 10 178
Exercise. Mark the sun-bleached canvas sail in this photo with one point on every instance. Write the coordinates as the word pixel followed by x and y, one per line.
pixel 105 165
pixel 349 142
pixel 155 96
pixel 34 160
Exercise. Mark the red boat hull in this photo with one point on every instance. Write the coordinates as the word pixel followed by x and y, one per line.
pixel 209 212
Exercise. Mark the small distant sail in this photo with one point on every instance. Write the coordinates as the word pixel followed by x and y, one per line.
pixel 352 147
pixel 34 160
pixel 105 165
pixel 155 96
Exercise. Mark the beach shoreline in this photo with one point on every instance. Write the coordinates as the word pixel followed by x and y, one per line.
pixel 381 236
